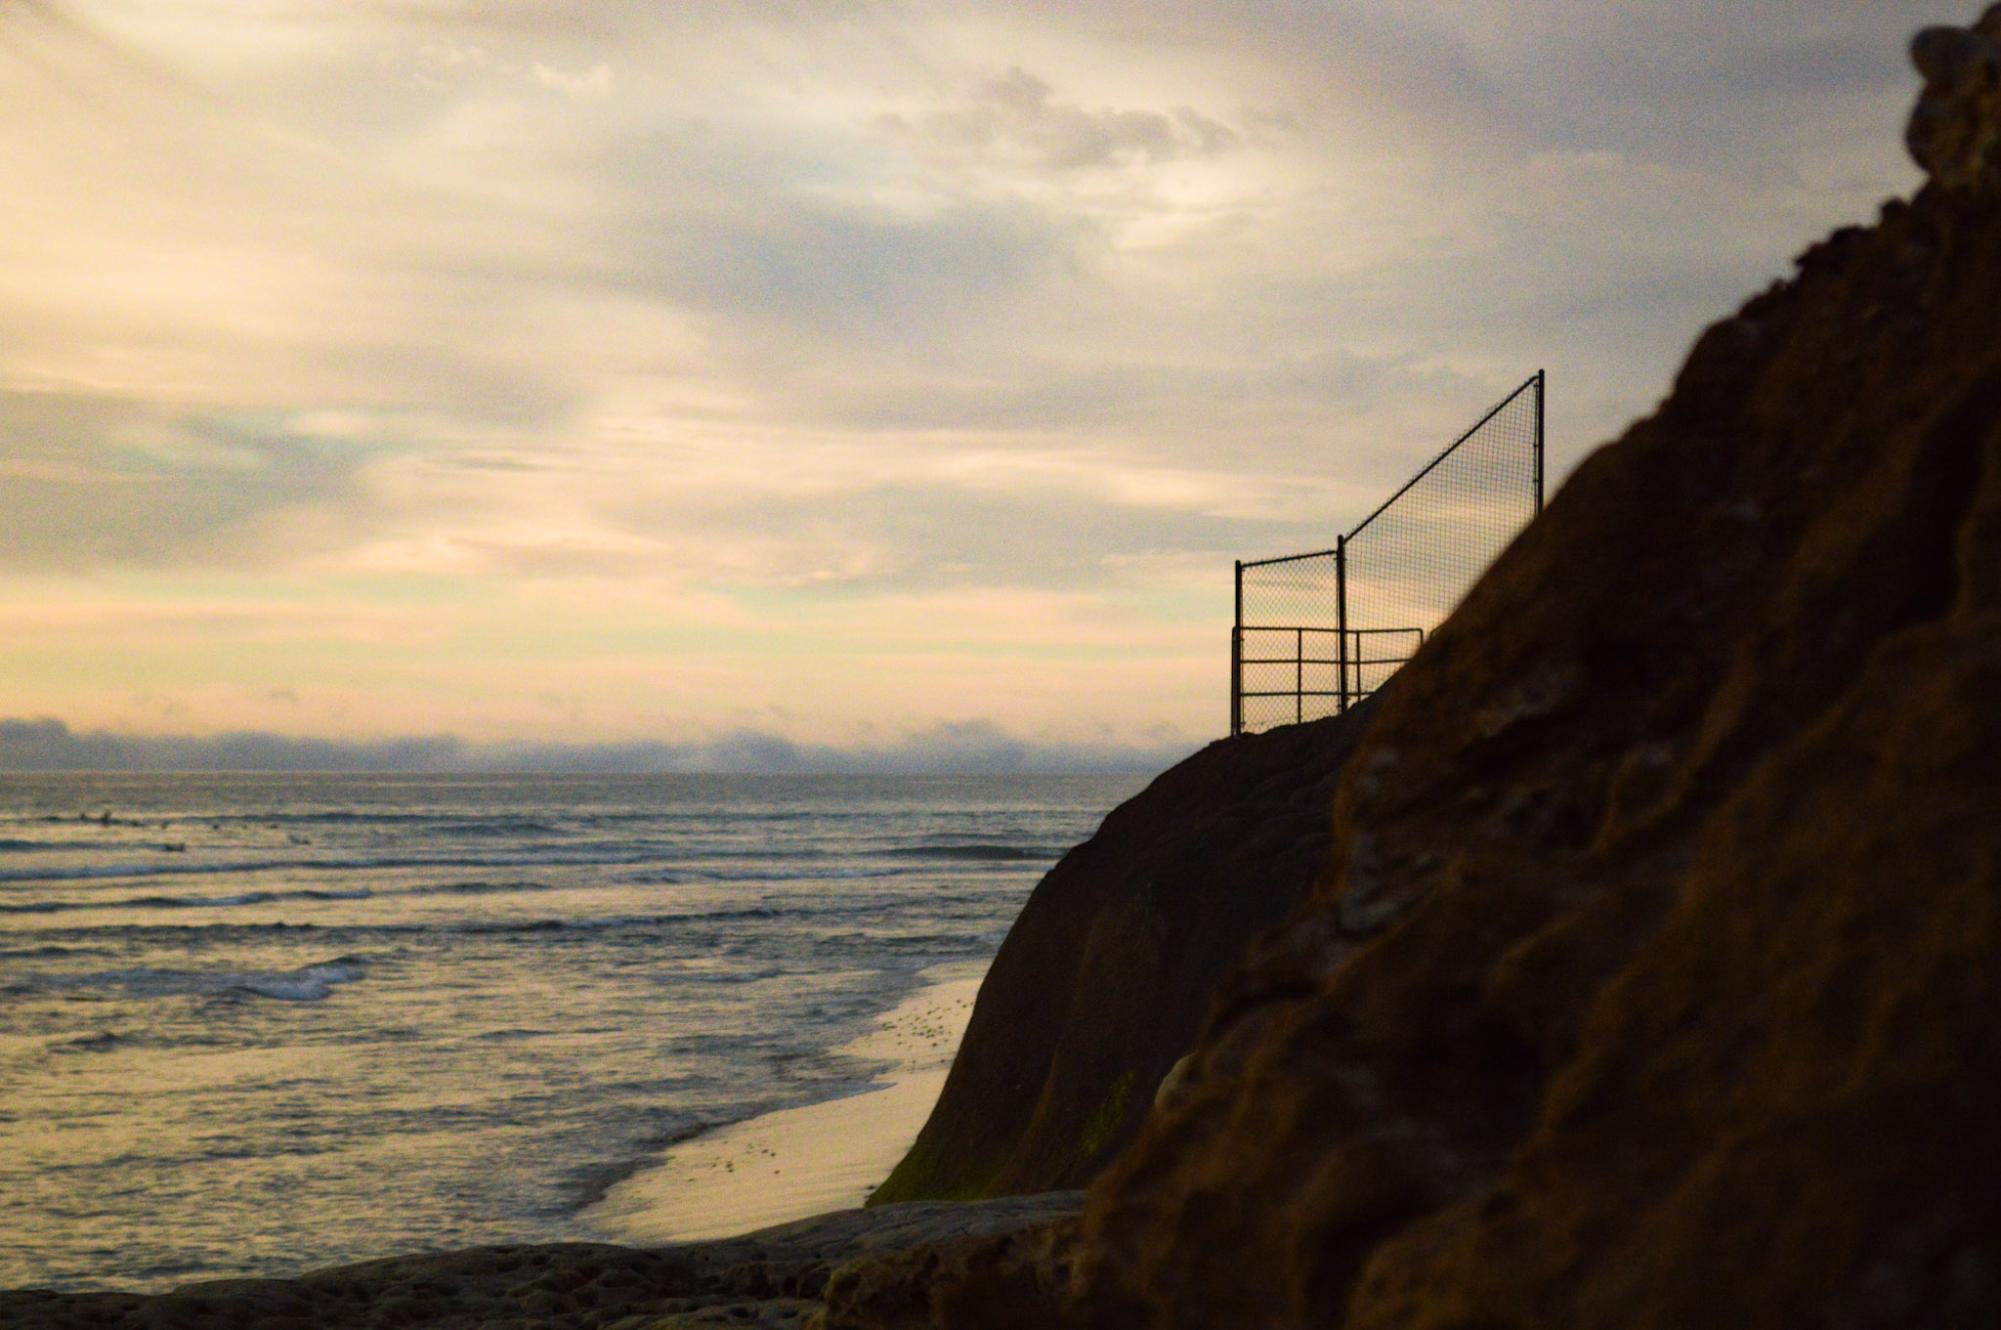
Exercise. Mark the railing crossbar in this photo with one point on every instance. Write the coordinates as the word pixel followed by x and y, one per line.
pixel 1287 692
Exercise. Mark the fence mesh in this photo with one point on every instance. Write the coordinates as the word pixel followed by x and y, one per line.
pixel 1288 641
pixel 1409 563
pixel 1317 632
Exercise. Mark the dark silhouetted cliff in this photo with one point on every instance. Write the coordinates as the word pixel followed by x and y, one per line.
pixel 1656 976
pixel 1105 977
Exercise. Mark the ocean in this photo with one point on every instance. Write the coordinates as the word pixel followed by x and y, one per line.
pixel 250 1025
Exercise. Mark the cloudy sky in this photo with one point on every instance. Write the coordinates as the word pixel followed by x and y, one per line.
pixel 858 376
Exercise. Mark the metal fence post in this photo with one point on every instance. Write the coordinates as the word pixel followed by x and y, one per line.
pixel 1539 381
pixel 1341 614
pixel 1237 660
pixel 1298 675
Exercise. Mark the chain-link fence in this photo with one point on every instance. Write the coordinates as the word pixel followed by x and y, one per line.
pixel 1317 632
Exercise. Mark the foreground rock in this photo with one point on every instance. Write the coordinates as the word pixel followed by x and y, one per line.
pixel 770 1278
pixel 1655 981
pixel 1105 977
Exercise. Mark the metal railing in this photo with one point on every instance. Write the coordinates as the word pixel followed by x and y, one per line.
pixel 1389 581
pixel 1350 660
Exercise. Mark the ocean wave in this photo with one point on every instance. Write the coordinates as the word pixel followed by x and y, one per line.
pixel 777 866
pixel 507 1036
pixel 46 952
pixel 975 853
pixel 598 923
pixel 497 824
pixel 241 898
pixel 475 888
pixel 501 827
pixel 100 1042
pixel 792 875
pixel 188 867
pixel 698 872
pixel 308 983
pixel 186 902
pixel 794 914
pixel 311 983
pixel 955 941
pixel 801 911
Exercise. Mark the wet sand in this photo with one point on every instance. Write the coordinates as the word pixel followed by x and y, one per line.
pixel 806 1161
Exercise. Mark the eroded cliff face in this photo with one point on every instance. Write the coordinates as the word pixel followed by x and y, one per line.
pixel 1657 979
pixel 1105 977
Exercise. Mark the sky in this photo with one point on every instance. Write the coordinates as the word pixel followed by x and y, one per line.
pixel 384 382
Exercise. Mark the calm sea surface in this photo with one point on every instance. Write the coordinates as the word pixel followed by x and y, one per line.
pixel 253 1024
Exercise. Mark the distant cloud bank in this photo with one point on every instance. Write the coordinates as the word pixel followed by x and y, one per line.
pixel 47 744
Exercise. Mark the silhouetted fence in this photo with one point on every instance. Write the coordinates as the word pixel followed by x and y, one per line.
pixel 1317 632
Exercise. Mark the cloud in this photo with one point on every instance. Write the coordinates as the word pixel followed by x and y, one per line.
pixel 1015 119
pixel 809 269
pixel 89 481
pixel 775 367
pixel 593 82
pixel 46 744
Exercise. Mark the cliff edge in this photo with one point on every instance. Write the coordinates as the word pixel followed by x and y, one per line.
pixel 1653 981
pixel 1106 975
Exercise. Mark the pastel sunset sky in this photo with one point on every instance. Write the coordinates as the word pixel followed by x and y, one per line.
pixel 833 377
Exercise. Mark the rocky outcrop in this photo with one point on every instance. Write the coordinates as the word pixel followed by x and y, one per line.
pixel 1654 980
pixel 1955 132
pixel 1104 979
pixel 771 1278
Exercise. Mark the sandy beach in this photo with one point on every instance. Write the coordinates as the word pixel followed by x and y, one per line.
pixel 809 1160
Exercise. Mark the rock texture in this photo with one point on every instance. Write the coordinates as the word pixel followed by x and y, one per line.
pixel 771 1278
pixel 1655 980
pixel 1105 977
pixel 1955 132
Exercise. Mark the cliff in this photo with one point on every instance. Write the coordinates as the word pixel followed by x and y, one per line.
pixel 1104 979
pixel 1652 981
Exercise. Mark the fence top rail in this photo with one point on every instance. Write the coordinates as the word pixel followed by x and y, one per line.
pixel 1500 406
pixel 1286 558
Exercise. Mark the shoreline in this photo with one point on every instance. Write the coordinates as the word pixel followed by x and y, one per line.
pixel 796 1163
pixel 774 1277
